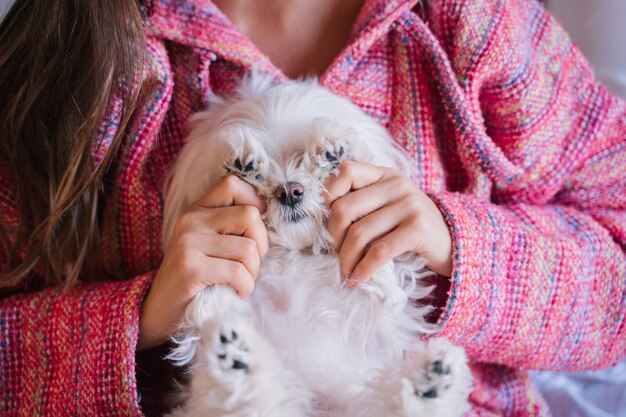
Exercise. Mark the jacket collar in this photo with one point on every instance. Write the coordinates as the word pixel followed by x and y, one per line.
pixel 199 23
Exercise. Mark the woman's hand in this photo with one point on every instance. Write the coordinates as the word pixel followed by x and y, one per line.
pixel 376 215
pixel 219 240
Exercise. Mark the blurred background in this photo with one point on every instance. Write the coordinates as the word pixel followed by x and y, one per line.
pixel 599 29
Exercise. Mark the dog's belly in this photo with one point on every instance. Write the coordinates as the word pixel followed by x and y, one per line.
pixel 331 335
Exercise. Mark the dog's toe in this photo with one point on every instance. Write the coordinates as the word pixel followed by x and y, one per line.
pixel 438 381
pixel 232 351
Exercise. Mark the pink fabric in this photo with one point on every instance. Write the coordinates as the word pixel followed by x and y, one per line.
pixel 523 151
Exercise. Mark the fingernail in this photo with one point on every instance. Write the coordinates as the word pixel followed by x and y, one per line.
pixel 352 281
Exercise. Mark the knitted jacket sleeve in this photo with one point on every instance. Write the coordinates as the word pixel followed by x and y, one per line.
pixel 539 268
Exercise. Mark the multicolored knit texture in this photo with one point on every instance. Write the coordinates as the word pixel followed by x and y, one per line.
pixel 509 133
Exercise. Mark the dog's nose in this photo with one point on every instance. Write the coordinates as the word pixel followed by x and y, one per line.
pixel 289 194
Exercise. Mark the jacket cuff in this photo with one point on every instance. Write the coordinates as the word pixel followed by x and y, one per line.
pixel 73 352
pixel 477 237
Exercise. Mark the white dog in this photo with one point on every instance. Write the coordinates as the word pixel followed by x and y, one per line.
pixel 304 344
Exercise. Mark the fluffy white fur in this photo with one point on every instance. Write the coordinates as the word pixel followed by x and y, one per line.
pixel 304 344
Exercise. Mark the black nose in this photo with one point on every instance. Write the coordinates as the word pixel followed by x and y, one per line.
pixel 289 194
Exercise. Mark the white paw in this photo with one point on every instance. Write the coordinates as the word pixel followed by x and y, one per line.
pixel 433 381
pixel 232 352
pixel 436 381
pixel 228 348
pixel 248 161
pixel 238 373
pixel 327 147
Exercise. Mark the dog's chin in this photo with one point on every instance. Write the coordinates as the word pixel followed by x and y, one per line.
pixel 296 232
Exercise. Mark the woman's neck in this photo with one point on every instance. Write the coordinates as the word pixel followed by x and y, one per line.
pixel 301 37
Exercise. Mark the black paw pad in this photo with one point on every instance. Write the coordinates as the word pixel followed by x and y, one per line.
pixel 438 368
pixel 245 171
pixel 225 340
pixel 237 364
pixel 244 168
pixel 334 157
pixel 431 393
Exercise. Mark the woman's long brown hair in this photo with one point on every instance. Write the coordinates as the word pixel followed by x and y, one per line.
pixel 61 61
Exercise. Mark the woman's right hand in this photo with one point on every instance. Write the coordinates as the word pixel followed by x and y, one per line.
pixel 218 240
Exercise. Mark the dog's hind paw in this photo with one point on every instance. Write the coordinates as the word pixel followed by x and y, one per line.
pixel 228 348
pixel 239 373
pixel 232 352
pixel 432 381
pixel 437 381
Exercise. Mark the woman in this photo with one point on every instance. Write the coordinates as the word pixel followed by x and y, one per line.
pixel 518 196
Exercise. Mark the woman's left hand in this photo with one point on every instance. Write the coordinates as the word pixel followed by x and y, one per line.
pixel 378 214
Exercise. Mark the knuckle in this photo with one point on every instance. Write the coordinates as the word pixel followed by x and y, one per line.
pixel 230 182
pixel 341 210
pixel 347 168
pixel 248 248
pixel 399 182
pixel 249 214
pixel 357 233
pixel 416 222
pixel 183 244
pixel 236 270
pixel 380 251
pixel 188 266
pixel 393 172
pixel 185 222
pixel 412 202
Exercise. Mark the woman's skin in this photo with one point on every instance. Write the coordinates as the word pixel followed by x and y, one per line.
pixel 301 37
pixel 376 213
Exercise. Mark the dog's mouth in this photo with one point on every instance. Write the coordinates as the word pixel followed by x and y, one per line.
pixel 293 215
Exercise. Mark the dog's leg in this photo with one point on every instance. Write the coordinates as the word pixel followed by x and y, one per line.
pixel 237 373
pixel 433 381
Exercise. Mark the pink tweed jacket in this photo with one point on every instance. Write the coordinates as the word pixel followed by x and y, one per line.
pixel 522 150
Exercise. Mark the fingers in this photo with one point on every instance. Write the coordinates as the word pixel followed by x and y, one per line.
pixel 231 191
pixel 235 220
pixel 233 248
pixel 241 219
pixel 219 259
pixel 376 214
pixel 354 206
pixel 353 176
pixel 362 234
pixel 379 253
pixel 226 271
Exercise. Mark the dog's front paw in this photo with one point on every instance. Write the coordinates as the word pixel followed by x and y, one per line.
pixel 328 147
pixel 436 381
pixel 248 161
